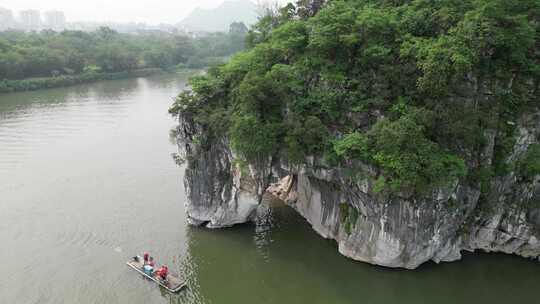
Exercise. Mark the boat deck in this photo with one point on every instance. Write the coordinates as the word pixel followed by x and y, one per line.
pixel 172 284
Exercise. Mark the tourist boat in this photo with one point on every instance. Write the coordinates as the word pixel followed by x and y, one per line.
pixel 172 284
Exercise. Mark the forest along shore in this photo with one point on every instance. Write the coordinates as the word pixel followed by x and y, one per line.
pixel 47 59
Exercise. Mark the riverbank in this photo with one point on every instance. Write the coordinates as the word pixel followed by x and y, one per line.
pixel 32 84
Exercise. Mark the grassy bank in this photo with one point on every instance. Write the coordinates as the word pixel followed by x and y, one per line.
pixel 31 84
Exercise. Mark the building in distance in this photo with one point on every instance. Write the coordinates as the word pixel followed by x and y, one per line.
pixel 30 20
pixel 7 21
pixel 55 20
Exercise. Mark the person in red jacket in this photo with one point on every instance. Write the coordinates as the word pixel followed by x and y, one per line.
pixel 162 273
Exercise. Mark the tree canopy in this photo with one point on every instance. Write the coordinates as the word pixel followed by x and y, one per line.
pixel 49 53
pixel 409 86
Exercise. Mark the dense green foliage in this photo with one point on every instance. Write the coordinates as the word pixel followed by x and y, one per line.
pixel 348 217
pixel 409 86
pixel 402 150
pixel 529 166
pixel 52 54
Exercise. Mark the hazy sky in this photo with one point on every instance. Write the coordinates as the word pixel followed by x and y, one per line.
pixel 149 11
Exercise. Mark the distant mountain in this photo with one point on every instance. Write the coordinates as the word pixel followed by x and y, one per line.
pixel 219 18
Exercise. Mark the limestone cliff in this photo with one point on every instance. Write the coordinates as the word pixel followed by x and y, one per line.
pixel 394 231
pixel 218 194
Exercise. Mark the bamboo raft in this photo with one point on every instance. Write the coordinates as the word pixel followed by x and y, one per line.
pixel 172 283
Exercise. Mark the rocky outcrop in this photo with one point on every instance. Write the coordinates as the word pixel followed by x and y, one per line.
pixel 395 231
pixel 219 195
pixel 388 231
pixel 508 220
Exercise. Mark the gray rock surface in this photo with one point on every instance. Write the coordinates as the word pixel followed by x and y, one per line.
pixel 509 219
pixel 219 195
pixel 394 231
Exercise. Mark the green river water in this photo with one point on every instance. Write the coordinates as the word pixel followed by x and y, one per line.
pixel 87 180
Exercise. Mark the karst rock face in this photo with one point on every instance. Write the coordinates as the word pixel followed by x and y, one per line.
pixel 400 230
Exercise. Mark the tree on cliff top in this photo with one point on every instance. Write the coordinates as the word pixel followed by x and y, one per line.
pixel 409 87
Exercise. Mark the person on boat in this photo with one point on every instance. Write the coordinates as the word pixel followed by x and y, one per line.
pixel 162 273
pixel 148 268
pixel 145 258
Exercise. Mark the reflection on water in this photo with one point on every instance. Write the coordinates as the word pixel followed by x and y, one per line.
pixel 87 181
pixel 33 120
pixel 281 260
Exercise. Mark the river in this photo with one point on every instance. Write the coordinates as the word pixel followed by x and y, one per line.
pixel 87 180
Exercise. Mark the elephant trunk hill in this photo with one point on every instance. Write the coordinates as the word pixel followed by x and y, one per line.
pixel 406 131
